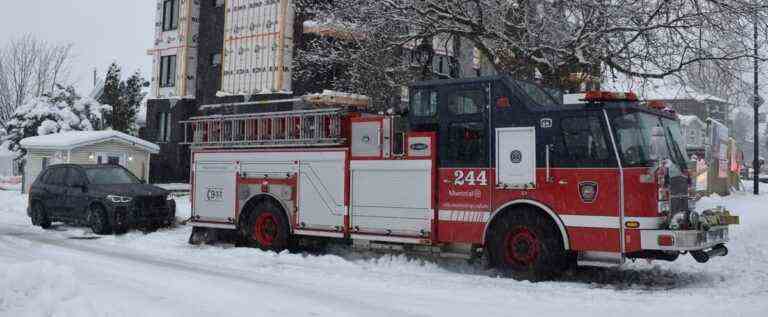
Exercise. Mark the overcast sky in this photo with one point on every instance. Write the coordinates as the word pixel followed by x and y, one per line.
pixel 101 30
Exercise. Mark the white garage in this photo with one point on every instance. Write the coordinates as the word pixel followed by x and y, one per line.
pixel 87 147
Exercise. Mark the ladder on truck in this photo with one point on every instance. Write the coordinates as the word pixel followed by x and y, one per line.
pixel 322 127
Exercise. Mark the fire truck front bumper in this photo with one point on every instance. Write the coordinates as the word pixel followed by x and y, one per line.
pixel 683 240
pixel 707 240
pixel 701 244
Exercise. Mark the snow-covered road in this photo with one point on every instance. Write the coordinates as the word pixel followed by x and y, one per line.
pixel 59 273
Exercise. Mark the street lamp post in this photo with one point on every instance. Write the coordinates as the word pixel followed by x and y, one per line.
pixel 757 102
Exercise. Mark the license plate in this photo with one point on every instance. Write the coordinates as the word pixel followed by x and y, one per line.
pixel 214 194
pixel 716 235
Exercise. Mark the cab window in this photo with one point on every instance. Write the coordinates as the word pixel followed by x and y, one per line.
pixel 466 102
pixel 583 141
pixel 467 147
pixel 424 103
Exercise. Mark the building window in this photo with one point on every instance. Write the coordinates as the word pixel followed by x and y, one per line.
pixel 218 3
pixel 164 127
pixel 216 59
pixel 168 71
pixel 170 15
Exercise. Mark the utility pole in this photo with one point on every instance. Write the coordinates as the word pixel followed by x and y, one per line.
pixel 757 101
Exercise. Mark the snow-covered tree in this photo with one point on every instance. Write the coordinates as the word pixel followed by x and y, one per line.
pixel 350 55
pixel 61 110
pixel 554 39
pixel 30 67
pixel 111 96
pixel 125 98
pixel 131 95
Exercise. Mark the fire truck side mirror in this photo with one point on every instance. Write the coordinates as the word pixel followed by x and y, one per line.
pixel 658 144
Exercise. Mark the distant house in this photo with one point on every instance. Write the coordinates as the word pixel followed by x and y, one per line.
pixel 694 134
pixel 91 147
pixel 702 106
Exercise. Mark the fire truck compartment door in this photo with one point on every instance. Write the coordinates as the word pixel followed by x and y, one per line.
pixel 392 197
pixel 516 157
pixel 366 139
pixel 215 186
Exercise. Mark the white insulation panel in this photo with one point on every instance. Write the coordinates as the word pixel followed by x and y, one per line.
pixel 258 47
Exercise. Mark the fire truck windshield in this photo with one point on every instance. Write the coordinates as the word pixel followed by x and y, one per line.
pixel 633 138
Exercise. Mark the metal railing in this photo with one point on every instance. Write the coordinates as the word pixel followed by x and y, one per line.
pixel 274 129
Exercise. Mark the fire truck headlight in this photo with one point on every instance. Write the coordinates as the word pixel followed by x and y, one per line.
pixel 693 219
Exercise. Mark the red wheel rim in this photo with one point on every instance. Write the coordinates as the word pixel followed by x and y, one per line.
pixel 265 229
pixel 521 247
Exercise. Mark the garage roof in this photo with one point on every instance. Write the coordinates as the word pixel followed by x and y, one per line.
pixel 70 140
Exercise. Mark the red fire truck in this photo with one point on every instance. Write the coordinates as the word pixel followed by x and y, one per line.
pixel 487 166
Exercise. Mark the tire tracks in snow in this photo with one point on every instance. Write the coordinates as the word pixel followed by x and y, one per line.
pixel 347 303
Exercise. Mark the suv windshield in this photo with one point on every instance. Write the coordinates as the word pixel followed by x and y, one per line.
pixel 633 135
pixel 110 176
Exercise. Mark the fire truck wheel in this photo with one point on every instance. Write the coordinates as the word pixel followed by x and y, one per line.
pixel 267 228
pixel 526 245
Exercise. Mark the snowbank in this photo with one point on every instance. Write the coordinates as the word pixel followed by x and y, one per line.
pixel 41 288
pixel 135 273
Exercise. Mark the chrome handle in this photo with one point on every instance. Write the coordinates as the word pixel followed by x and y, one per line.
pixel 563 182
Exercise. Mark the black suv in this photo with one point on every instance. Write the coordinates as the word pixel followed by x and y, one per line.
pixel 106 198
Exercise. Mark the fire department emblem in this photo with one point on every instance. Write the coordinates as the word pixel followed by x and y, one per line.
pixel 516 157
pixel 588 191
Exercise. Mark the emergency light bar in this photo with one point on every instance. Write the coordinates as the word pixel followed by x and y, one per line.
pixel 598 96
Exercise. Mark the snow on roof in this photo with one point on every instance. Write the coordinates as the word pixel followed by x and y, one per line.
pixel 688 119
pixel 657 89
pixel 71 140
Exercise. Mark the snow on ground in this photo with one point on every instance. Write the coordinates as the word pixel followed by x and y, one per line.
pixel 66 272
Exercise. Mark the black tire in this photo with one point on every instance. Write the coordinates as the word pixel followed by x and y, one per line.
pixel 266 227
pixel 121 229
pixel 40 216
pixel 526 245
pixel 97 220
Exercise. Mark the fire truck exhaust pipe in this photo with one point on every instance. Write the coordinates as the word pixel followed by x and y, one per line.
pixel 704 256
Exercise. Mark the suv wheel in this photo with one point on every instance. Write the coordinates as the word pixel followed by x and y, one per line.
pixel 40 216
pixel 97 220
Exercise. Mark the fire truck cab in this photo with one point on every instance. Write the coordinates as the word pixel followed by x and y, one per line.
pixel 488 166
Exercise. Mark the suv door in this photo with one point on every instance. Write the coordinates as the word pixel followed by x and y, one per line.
pixel 54 191
pixel 76 198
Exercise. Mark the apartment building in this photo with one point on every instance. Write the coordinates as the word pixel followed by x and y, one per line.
pixel 227 57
